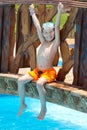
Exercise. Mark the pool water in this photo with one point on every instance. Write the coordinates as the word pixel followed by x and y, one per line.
pixel 60 62
pixel 57 117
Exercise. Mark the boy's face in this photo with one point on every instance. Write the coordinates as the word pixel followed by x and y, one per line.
pixel 48 34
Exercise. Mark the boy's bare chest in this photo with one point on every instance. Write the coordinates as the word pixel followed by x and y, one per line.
pixel 44 48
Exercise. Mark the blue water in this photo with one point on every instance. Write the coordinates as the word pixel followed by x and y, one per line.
pixel 57 117
pixel 60 62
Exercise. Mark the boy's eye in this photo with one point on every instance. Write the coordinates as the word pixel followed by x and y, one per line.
pixel 51 31
pixel 44 32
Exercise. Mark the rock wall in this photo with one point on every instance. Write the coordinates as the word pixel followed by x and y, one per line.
pixel 56 92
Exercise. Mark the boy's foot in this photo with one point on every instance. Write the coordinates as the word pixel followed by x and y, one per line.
pixel 42 114
pixel 21 109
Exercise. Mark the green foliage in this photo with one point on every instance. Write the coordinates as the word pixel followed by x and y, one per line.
pixel 16 7
pixel 63 19
pixel 49 6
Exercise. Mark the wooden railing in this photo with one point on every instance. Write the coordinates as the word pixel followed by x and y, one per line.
pixel 71 3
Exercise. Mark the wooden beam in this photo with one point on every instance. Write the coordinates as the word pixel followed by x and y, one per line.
pixel 71 3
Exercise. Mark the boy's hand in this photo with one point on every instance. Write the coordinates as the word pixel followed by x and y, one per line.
pixel 31 9
pixel 60 7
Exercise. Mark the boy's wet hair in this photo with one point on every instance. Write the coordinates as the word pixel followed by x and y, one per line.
pixel 48 25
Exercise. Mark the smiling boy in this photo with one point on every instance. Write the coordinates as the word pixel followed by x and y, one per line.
pixel 49 37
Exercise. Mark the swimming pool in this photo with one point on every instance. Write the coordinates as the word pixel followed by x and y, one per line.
pixel 60 62
pixel 57 117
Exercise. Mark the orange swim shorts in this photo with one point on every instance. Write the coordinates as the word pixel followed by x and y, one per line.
pixel 49 74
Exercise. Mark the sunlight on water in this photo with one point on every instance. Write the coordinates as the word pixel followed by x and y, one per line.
pixel 57 117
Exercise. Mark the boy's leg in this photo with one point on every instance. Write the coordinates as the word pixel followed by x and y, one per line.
pixel 42 95
pixel 21 90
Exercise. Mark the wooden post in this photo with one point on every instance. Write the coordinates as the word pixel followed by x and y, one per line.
pixel 1 27
pixel 68 60
pixel 80 58
pixel 5 38
pixel 12 37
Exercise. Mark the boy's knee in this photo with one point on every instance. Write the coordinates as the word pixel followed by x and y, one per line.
pixel 20 80
pixel 39 83
pixel 40 86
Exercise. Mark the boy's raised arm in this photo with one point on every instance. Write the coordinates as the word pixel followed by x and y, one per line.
pixel 57 24
pixel 36 23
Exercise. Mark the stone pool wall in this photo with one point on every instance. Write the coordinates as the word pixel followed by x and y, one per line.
pixel 59 93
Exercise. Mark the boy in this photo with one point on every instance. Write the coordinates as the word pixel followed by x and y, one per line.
pixel 50 39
